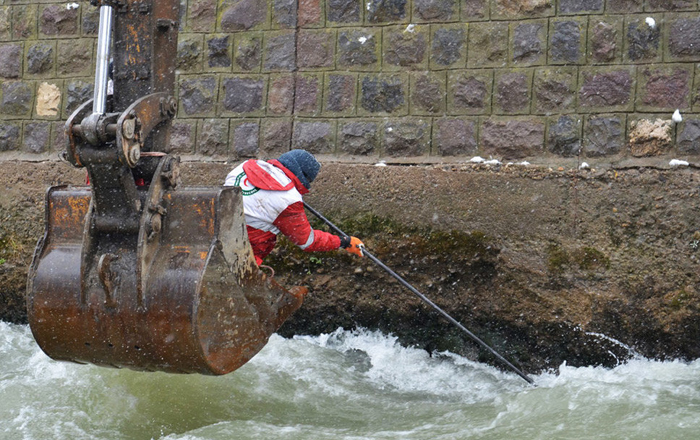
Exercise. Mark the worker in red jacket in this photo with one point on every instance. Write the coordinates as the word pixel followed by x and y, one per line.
pixel 272 204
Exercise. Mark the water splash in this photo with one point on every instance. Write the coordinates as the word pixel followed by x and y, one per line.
pixel 631 351
pixel 344 385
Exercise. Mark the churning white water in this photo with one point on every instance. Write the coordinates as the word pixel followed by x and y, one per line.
pixel 346 385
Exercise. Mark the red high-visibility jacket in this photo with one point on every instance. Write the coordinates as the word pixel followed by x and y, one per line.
pixel 272 204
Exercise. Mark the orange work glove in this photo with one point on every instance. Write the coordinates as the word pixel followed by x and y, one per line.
pixel 355 246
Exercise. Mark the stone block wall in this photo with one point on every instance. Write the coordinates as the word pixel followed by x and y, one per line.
pixel 415 80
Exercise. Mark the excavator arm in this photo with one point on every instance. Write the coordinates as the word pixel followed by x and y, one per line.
pixel 136 270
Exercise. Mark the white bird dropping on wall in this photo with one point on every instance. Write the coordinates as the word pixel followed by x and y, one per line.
pixel 678 163
pixel 677 118
pixel 650 22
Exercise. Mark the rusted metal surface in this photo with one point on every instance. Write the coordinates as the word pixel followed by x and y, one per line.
pixel 205 307
pixel 150 276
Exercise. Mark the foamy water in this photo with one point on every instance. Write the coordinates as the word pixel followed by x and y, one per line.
pixel 346 385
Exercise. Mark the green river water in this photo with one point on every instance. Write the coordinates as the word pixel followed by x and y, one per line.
pixel 346 385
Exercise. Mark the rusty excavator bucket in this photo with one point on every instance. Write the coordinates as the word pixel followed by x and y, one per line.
pixel 135 270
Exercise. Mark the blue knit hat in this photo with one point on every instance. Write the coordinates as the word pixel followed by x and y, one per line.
pixel 303 164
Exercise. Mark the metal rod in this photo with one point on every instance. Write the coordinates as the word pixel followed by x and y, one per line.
pixel 104 41
pixel 376 261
